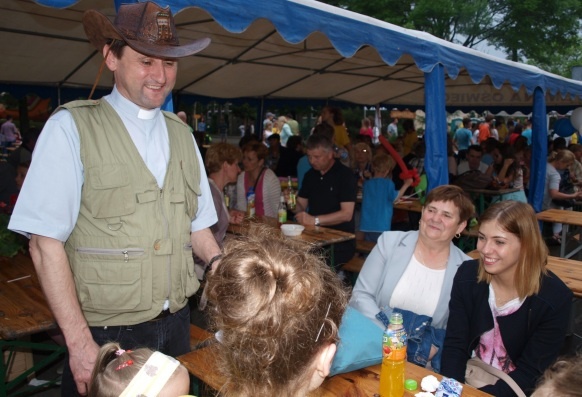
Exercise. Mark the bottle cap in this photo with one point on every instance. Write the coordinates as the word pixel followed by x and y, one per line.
pixel 410 384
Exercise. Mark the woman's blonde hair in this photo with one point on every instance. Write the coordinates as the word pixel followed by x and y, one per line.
pixel 113 371
pixel 218 153
pixel 563 156
pixel 520 220
pixel 277 305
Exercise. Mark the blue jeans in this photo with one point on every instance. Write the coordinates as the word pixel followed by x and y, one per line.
pixel 421 336
pixel 170 335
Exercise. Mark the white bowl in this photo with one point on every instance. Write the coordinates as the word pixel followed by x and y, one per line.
pixel 292 230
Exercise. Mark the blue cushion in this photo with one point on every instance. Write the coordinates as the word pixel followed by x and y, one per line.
pixel 360 343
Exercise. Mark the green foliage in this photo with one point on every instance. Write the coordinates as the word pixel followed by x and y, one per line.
pixel 541 31
pixel 560 62
pixel 10 243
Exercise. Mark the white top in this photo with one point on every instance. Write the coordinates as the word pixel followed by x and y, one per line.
pixel 424 296
pixel 49 202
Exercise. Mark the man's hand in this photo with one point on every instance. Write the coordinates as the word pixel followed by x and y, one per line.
pixel 82 361
pixel 305 219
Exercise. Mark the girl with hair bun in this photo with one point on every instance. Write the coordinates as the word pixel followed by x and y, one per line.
pixel 141 372
pixel 277 308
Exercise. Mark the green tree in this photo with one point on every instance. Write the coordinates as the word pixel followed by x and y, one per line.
pixel 535 30
pixel 561 63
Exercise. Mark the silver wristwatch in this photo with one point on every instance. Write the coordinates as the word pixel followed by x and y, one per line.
pixel 317 223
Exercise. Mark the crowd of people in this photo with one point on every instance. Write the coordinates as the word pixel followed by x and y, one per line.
pixel 134 218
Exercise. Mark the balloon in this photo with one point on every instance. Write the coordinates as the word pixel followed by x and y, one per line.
pixel 406 173
pixel 576 119
pixel 564 128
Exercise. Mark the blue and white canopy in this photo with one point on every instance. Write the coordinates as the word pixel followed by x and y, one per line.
pixel 302 49
pixel 280 49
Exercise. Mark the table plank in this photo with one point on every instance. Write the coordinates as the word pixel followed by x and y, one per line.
pixel 317 235
pixel 492 192
pixel 567 218
pixel 569 271
pixel 561 216
pixel 409 205
pixel 364 382
pixel 23 307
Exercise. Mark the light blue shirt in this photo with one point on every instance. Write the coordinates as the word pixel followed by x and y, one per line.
pixel 527 133
pixel 49 202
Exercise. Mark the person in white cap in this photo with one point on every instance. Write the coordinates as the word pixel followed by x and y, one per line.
pixel 117 199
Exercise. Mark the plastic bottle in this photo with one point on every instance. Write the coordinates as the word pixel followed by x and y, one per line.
pixel 282 210
pixel 394 344
pixel 291 197
pixel 251 203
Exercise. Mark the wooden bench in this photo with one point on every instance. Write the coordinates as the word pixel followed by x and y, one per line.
pixel 364 247
pixel 198 335
pixel 354 265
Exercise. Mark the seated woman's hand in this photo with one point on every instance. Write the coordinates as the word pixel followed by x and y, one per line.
pixel 236 217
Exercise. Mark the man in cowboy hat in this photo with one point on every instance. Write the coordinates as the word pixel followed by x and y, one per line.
pixel 117 200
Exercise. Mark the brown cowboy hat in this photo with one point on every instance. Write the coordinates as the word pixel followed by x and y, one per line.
pixel 146 27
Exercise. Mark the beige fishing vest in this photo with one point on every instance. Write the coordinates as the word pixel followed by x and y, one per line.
pixel 130 249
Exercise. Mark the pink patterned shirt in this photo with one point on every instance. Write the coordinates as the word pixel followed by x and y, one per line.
pixel 491 349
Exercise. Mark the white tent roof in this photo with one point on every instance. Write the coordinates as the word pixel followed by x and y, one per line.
pixel 278 49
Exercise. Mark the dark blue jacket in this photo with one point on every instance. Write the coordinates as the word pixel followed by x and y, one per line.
pixel 532 336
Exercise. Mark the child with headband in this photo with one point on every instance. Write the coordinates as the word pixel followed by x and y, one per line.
pixel 142 372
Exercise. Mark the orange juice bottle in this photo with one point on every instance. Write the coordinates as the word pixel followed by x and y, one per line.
pixel 394 344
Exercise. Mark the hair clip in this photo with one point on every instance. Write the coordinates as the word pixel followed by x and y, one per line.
pixel 119 352
pixel 325 318
pixel 124 364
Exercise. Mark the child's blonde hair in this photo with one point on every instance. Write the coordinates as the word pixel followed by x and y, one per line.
pixel 115 369
pixel 382 163
pixel 562 379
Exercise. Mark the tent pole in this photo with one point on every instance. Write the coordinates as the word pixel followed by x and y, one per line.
pixel 537 177
pixel 435 134
pixel 260 118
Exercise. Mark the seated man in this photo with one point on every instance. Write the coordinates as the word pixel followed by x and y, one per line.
pixel 473 161
pixel 329 191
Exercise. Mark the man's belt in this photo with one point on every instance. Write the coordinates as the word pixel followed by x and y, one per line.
pixel 163 314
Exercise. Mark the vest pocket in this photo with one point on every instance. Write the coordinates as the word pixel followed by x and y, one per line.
pixel 190 283
pixel 108 191
pixel 191 190
pixel 111 280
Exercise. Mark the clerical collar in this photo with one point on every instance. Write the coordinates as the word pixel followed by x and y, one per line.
pixel 128 107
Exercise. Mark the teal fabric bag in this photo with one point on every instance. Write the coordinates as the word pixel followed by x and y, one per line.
pixel 360 343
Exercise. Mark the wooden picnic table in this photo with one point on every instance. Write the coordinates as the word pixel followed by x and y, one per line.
pixel 364 382
pixel 409 205
pixel 23 311
pixel 482 193
pixel 567 218
pixel 317 235
pixel 23 307
pixel 568 270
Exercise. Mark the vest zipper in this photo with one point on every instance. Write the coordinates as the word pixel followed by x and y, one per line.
pixel 126 252
pixel 169 261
